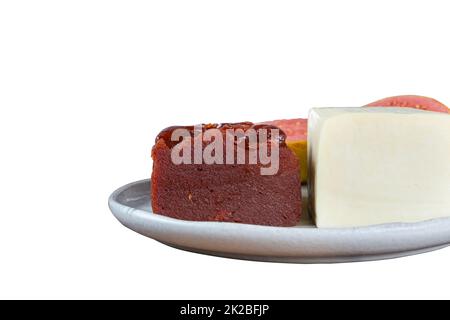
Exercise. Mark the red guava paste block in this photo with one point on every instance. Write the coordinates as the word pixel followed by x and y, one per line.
pixel 225 192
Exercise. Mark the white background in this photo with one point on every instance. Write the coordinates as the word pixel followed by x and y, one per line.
pixel 86 85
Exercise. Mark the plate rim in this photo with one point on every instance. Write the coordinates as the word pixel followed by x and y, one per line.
pixel 164 229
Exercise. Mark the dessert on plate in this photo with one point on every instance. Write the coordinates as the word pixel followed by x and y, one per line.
pixel 365 166
pixel 226 190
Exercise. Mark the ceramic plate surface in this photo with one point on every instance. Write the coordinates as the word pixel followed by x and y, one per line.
pixel 131 205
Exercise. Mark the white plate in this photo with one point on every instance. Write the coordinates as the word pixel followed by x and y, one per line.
pixel 301 244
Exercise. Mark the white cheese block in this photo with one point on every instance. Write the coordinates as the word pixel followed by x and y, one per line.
pixel 378 165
